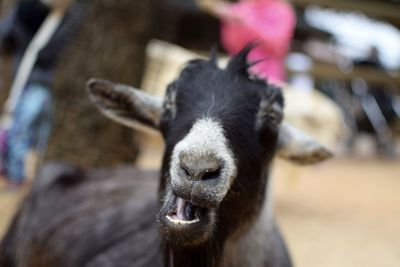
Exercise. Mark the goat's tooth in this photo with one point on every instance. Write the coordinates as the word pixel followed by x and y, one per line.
pixel 182 222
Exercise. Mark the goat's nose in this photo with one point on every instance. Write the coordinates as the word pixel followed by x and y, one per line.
pixel 200 168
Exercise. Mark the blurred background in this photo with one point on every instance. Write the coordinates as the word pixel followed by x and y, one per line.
pixel 342 86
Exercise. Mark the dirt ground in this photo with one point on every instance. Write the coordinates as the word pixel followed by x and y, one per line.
pixel 345 212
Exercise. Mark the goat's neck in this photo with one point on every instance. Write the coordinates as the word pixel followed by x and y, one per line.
pixel 246 249
pixel 205 256
pixel 249 248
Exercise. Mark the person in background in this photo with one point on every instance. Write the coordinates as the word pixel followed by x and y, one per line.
pixel 31 122
pixel 270 23
pixel 374 106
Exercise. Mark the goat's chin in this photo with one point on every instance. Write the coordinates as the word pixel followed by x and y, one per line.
pixel 183 224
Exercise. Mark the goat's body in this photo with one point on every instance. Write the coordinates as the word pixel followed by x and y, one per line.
pixel 70 219
pixel 92 220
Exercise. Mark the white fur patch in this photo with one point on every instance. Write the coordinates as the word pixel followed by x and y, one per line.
pixel 206 138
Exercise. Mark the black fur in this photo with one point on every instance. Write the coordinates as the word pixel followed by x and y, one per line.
pixel 233 98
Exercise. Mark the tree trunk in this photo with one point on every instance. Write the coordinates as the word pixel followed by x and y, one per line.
pixel 111 45
pixel 5 60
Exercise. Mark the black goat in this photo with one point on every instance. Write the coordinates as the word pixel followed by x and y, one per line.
pixel 221 129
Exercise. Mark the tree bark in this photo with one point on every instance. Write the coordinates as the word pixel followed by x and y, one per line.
pixel 5 60
pixel 111 45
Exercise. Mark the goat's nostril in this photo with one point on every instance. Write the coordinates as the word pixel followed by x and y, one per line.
pixel 185 170
pixel 211 174
pixel 200 168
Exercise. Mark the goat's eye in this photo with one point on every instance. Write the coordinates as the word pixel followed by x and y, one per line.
pixel 169 105
pixel 274 117
pixel 275 114
pixel 269 115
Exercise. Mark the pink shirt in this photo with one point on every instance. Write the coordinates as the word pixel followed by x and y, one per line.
pixel 271 23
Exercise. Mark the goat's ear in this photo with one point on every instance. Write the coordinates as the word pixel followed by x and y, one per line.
pixel 126 105
pixel 298 147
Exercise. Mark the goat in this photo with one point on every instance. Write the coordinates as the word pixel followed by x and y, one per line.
pixel 222 129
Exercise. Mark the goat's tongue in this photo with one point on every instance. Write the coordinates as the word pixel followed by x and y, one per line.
pixel 185 210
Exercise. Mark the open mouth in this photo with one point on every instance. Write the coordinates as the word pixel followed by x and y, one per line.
pixel 184 223
pixel 183 212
